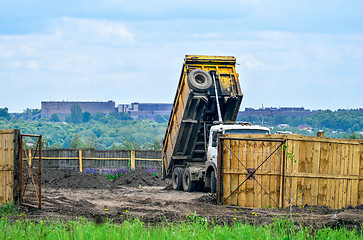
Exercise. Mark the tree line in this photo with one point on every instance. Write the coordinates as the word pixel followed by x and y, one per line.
pixel 119 131
pixel 348 121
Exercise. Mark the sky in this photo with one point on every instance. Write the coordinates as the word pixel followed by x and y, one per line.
pixel 289 53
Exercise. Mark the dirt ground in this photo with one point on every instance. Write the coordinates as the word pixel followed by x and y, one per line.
pixel 68 195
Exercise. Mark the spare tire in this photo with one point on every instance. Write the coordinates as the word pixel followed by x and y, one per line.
pixel 199 80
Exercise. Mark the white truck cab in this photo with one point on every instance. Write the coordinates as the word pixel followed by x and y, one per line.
pixel 238 128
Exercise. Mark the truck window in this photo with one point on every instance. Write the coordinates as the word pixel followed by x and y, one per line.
pixel 247 131
pixel 215 137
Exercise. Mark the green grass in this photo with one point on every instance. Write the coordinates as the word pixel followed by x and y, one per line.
pixel 8 210
pixel 195 228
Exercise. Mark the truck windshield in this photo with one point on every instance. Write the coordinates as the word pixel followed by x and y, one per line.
pixel 247 131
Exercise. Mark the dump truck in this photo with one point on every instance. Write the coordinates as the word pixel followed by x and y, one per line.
pixel 206 104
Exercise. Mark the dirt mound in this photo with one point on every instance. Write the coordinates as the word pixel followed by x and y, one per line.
pixel 139 177
pixel 208 198
pixel 58 178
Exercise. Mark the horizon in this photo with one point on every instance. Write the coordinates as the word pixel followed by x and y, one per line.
pixel 241 108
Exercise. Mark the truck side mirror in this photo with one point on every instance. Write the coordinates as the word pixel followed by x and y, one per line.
pixel 214 139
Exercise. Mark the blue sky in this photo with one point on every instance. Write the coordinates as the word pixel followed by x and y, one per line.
pixel 290 53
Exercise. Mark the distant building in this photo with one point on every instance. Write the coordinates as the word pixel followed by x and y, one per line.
pixel 145 110
pixel 63 108
pixel 273 111
pixel 304 126
pixel 283 132
pixel 283 126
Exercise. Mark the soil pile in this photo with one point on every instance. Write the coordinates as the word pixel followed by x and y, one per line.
pixel 58 178
pixel 208 198
pixel 139 177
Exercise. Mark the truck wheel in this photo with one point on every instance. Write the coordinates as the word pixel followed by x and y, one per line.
pixel 188 184
pixel 213 182
pixel 177 178
pixel 199 80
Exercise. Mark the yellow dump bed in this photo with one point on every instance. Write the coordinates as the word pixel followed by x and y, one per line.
pixel 195 109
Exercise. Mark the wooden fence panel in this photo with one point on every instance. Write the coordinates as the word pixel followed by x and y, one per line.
pixel 318 171
pixel 9 144
pixel 73 159
pixel 240 160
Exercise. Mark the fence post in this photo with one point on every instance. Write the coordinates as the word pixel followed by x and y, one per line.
pixel 132 156
pixel 80 160
pixel 29 157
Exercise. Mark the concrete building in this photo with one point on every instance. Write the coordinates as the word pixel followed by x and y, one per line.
pixel 145 110
pixel 273 111
pixel 62 109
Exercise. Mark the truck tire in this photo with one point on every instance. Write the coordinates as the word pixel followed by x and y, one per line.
pixel 213 182
pixel 177 178
pixel 188 184
pixel 199 80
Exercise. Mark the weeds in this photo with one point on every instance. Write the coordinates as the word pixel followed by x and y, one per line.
pixel 8 210
pixel 195 228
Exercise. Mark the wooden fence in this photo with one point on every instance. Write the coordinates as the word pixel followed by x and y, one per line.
pixel 284 170
pixel 81 159
pixel 9 159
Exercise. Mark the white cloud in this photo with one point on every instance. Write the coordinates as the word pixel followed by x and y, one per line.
pixel 141 61
pixel 94 30
pixel 33 65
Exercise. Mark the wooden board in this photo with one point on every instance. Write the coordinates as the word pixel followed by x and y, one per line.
pixel 6 166
pixel 360 183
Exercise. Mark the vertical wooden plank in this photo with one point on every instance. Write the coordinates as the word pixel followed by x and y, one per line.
pixel 345 173
pixel 315 170
pixel 10 166
pixel 349 173
pixel 266 170
pixel 132 156
pixel 309 163
pixel 2 151
pixel 288 173
pixel 2 175
pixel 243 157
pixel 10 151
pixel 355 174
pixel 3 166
pixel 277 179
pixel 258 176
pixel 324 164
pixel 226 176
pixel 9 183
pixel 295 193
pixel 234 167
pixel 360 183
pixel 331 181
pixel 250 183
pixel 238 169
pixel 302 169
pixel 338 172
pixel 342 173
pixel 80 159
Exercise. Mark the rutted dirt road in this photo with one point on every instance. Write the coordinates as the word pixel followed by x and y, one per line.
pixel 154 204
